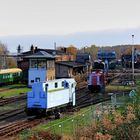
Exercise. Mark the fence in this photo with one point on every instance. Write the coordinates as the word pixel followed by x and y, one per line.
pixel 69 125
pixel 72 124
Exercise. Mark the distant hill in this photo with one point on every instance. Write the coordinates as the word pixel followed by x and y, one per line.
pixel 80 39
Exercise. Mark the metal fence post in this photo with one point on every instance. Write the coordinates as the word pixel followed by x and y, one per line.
pixel 83 118
pixel 72 127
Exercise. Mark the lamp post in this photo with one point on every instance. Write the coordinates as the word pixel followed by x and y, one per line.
pixel 133 56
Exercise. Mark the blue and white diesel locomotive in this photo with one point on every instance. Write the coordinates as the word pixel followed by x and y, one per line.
pixel 50 96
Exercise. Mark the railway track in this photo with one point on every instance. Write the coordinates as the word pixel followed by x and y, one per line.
pixel 83 99
pixel 16 127
pixel 123 71
pixel 4 101
pixel 7 114
pixel 10 113
pixel 9 88
pixel 93 102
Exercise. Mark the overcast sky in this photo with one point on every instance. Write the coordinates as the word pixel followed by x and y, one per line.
pixel 24 17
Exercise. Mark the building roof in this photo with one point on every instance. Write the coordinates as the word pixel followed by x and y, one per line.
pixel 41 54
pixel 50 51
pixel 71 64
pixel 83 58
pixel 106 54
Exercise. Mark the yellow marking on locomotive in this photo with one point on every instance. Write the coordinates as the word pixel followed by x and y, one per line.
pixel 53 90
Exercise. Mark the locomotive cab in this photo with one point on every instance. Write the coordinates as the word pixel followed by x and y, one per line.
pixel 50 96
pixel 96 81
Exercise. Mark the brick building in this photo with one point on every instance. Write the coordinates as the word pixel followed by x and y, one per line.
pixel 23 61
pixel 41 67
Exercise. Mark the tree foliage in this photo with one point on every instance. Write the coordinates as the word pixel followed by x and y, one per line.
pixel 72 50
pixel 92 50
pixel 119 49
pixel 3 49
pixel 6 62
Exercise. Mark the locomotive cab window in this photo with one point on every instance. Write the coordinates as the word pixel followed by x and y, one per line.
pixel 46 87
pixel 72 85
pixel 55 85
pixel 32 81
pixel 62 83
pixel 66 85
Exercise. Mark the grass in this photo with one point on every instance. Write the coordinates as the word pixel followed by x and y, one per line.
pixel 14 91
pixel 65 125
pixel 11 86
pixel 68 123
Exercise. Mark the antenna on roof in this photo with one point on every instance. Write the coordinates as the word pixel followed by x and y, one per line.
pixel 55 45
pixel 19 49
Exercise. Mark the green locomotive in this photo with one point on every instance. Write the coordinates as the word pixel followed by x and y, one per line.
pixel 8 76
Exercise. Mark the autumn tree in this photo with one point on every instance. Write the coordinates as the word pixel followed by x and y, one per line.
pixel 119 50
pixel 92 50
pixel 72 50
pixel 6 62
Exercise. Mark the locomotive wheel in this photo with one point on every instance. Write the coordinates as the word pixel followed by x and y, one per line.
pixel 57 114
pixel 41 112
pixel 29 112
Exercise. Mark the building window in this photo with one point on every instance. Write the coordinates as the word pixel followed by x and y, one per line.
pixel 42 64
pixel 50 64
pixel 32 81
pixel 55 85
pixel 38 63
pixel 33 63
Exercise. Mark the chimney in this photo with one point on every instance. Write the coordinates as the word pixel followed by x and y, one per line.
pixel 36 49
pixel 18 49
pixel 32 48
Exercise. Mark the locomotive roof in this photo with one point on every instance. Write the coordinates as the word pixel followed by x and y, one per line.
pixel 57 80
pixel 62 79
pixel 12 70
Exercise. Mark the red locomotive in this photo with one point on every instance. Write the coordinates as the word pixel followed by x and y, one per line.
pixel 96 81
